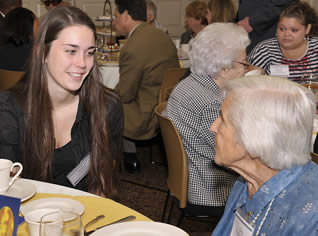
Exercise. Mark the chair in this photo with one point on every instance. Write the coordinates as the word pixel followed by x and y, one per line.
pixel 314 157
pixel 171 78
pixel 8 78
pixel 177 168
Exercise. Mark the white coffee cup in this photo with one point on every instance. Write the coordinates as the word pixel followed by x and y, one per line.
pixel 177 43
pixel 6 166
pixel 33 220
pixel 185 48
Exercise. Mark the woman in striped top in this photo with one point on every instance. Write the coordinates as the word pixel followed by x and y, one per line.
pixel 294 51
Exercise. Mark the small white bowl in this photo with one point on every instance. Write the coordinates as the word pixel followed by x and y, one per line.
pixel 33 219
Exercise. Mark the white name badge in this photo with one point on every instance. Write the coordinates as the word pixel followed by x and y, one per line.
pixel 240 226
pixel 279 70
pixel 80 171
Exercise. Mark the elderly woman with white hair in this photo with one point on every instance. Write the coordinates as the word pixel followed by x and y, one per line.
pixel 264 134
pixel 217 54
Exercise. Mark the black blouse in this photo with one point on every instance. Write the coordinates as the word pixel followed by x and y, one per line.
pixel 67 157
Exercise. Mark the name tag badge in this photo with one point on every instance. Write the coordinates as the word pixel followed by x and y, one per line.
pixel 279 70
pixel 80 171
pixel 240 226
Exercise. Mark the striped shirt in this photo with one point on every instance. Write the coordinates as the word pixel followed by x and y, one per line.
pixel 268 53
pixel 193 106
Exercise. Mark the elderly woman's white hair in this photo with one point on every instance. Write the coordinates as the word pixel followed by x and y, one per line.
pixel 215 48
pixel 273 119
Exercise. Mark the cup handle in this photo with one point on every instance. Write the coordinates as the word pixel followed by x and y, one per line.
pixel 17 174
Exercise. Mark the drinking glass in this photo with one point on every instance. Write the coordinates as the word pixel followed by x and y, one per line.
pixel 51 224
pixel 70 224
pixel 73 225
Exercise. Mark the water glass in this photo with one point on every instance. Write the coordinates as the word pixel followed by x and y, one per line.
pixel 71 224
pixel 74 226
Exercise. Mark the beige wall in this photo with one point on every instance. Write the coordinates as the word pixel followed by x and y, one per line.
pixel 314 4
pixel 170 12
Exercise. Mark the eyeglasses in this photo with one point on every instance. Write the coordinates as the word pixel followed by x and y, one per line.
pixel 246 65
pixel 53 2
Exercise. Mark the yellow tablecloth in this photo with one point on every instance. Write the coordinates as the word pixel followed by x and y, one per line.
pixel 94 206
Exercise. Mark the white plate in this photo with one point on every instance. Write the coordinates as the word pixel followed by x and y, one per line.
pixel 20 189
pixel 64 204
pixel 106 33
pixel 104 18
pixel 108 63
pixel 140 228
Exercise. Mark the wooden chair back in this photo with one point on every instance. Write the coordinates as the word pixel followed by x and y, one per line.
pixel 177 159
pixel 171 79
pixel 314 157
pixel 8 78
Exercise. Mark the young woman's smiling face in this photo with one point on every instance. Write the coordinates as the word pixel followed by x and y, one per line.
pixel 70 59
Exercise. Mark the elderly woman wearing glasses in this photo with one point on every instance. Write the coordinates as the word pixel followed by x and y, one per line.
pixel 264 134
pixel 217 54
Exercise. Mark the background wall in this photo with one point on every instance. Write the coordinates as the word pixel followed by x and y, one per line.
pixel 169 12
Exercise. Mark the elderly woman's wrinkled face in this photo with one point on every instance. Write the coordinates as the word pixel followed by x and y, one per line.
pixel 192 23
pixel 228 151
pixel 291 33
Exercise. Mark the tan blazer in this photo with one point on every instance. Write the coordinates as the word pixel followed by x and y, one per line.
pixel 147 55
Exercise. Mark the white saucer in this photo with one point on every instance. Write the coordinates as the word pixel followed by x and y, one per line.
pixel 106 33
pixel 20 189
pixel 108 63
pixel 64 204
pixel 140 228
pixel 104 18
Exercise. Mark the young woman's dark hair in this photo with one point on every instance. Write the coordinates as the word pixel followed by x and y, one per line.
pixel 304 13
pixel 38 141
pixel 18 27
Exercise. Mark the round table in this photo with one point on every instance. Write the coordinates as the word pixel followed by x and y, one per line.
pixel 94 205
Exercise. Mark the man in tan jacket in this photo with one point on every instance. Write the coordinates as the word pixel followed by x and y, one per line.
pixel 144 59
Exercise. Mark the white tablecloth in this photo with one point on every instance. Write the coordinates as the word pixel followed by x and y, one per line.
pixel 43 187
pixel 93 205
pixel 110 75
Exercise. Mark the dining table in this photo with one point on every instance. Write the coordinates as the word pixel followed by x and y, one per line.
pixel 93 205
pixel 109 70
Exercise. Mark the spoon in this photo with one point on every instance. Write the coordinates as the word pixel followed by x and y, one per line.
pixel 127 218
pixel 93 221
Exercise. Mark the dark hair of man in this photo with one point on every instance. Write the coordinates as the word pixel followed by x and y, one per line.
pixel 137 9
pixel 304 13
pixel 32 92
pixel 7 5
pixel 18 27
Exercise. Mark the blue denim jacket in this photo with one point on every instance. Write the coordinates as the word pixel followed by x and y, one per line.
pixel 294 210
